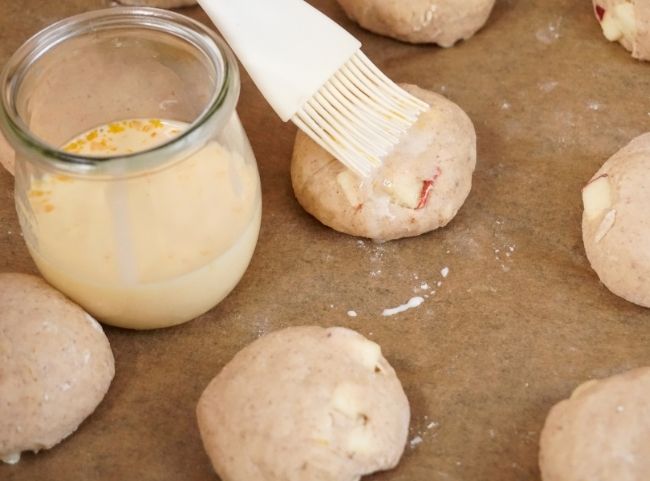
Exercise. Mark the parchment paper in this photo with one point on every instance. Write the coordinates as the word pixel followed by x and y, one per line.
pixel 518 322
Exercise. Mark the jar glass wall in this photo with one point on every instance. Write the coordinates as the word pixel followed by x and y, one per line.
pixel 136 187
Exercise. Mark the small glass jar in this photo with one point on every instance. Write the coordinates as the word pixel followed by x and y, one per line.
pixel 136 187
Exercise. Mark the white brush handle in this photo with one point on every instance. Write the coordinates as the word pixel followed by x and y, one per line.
pixel 288 47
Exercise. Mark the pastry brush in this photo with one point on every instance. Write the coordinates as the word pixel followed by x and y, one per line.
pixel 312 71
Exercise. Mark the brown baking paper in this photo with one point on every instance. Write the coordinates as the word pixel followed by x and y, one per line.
pixel 519 320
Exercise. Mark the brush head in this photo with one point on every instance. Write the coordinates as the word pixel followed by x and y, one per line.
pixel 359 115
pixel 312 71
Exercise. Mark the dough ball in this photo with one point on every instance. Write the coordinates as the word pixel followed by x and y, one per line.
pixel 420 186
pixel 444 22
pixel 601 433
pixel 626 22
pixel 304 403
pixel 55 366
pixel 7 156
pixel 615 224
pixel 159 3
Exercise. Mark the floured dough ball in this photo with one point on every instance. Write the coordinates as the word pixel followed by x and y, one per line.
pixel 420 186
pixel 55 366
pixel 601 433
pixel 626 22
pixel 159 3
pixel 444 22
pixel 615 223
pixel 7 156
pixel 304 403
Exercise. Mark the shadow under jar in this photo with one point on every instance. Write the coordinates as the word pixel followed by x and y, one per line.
pixel 136 187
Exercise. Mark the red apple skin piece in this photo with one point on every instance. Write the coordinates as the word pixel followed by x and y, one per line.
pixel 427 184
pixel 600 13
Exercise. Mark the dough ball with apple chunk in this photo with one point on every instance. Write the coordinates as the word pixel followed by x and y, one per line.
pixel 615 222
pixel 443 22
pixel 601 432
pixel 626 22
pixel 55 366
pixel 420 186
pixel 7 155
pixel 159 3
pixel 304 403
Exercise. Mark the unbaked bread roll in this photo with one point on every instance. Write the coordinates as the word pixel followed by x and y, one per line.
pixel 615 222
pixel 601 433
pixel 159 3
pixel 7 156
pixel 420 186
pixel 626 22
pixel 444 22
pixel 55 366
pixel 303 404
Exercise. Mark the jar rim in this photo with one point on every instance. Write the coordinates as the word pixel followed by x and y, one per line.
pixel 223 99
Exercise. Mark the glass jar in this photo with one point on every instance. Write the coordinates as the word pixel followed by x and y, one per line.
pixel 136 187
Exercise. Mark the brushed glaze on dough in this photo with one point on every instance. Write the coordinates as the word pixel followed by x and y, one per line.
pixel 438 153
